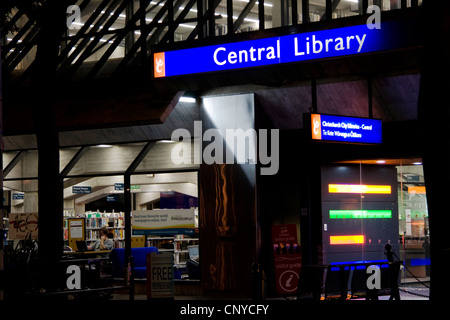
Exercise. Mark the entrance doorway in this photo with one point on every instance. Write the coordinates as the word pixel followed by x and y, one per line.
pixel 369 204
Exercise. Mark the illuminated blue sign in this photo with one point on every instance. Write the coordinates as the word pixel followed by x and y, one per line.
pixel 112 198
pixel 345 129
pixel 81 189
pixel 284 49
pixel 118 186
pixel 17 196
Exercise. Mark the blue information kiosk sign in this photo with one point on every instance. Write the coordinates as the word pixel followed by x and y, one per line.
pixel 345 129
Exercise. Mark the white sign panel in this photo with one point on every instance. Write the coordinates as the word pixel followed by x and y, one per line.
pixel 76 229
pixel 159 275
pixel 163 222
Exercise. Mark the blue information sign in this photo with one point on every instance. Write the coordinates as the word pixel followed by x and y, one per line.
pixel 112 198
pixel 283 49
pixel 81 189
pixel 17 196
pixel 345 129
pixel 118 186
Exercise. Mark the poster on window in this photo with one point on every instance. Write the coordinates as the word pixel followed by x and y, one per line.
pixel 23 226
pixel 163 222
pixel 287 258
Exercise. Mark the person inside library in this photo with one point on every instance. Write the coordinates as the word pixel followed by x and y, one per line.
pixel 104 243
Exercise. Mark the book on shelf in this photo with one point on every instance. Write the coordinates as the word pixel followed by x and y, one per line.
pixel 94 234
pixel 119 233
pixel 100 220
pixel 94 221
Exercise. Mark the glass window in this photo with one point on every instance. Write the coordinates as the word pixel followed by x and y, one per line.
pixel 169 155
pixel 21 52
pixel 26 166
pixel 160 202
pixel 149 188
pixel 20 187
pixel 413 219
pixel 8 156
pixel 98 17
pixel 391 4
pixel 367 205
pixel 316 10
pixel 245 15
pixel 346 8
pixel 278 13
pixel 65 156
pixel 106 159
pixel 221 17
pixel 156 11
pixel 186 13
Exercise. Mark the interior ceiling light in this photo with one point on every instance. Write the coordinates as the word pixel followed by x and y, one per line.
pixel 166 141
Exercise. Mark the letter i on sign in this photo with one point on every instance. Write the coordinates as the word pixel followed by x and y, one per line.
pixel 159 65
pixel 316 128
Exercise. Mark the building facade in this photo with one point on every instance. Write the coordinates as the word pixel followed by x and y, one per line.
pixel 215 100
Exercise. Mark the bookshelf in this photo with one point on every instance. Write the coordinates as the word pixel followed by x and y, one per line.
pixel 68 214
pixel 94 221
pixel 178 244
pixel 113 221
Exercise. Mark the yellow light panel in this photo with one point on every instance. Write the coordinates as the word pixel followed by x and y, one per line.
pixel 356 239
pixel 359 188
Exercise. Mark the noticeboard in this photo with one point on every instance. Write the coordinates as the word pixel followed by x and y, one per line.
pixel 76 232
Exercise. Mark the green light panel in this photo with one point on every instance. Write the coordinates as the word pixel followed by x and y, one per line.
pixel 360 214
